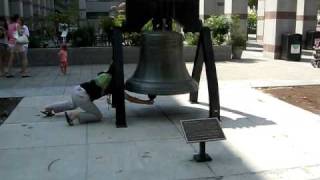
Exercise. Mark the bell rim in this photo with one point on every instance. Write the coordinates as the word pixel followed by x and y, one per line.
pixel 167 88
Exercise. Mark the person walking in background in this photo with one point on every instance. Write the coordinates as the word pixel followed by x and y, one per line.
pixel 63 56
pixel 24 30
pixel 13 49
pixel 3 44
pixel 316 54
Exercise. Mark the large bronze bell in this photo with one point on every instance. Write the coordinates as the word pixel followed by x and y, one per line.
pixel 161 69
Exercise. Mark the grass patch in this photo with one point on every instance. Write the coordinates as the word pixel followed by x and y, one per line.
pixel 7 105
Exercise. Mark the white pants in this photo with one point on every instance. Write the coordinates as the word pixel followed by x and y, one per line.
pixel 80 99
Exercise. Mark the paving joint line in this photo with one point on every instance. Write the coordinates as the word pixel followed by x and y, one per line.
pixel 272 170
pixel 181 133
pixel 95 143
pixel 87 153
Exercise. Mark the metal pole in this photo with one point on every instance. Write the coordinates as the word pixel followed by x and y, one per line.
pixel 118 93
pixel 202 146
pixel 202 156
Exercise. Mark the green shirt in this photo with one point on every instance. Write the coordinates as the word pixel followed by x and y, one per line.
pixel 103 80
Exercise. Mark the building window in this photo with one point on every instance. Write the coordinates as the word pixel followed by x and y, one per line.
pixel 220 3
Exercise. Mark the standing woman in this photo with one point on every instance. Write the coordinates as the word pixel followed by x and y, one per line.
pixel 13 48
pixel 24 30
pixel 3 44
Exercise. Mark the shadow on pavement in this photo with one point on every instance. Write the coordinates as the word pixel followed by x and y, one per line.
pixel 246 120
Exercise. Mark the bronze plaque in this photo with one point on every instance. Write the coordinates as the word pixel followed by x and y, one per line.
pixel 202 130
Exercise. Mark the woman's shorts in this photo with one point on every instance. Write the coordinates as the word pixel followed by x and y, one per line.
pixel 3 50
pixel 63 63
pixel 15 48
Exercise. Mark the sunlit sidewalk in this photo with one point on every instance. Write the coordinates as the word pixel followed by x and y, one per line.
pixel 267 139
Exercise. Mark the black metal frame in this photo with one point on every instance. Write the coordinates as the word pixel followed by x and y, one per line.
pixel 204 54
pixel 118 75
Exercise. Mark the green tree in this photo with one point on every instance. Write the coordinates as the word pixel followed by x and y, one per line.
pixel 220 26
pixel 253 4
pixel 70 14
pixel 237 38
pixel 252 22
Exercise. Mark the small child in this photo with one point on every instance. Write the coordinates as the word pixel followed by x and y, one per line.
pixel 316 61
pixel 63 55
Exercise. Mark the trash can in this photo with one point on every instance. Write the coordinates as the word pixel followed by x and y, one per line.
pixel 311 36
pixel 291 46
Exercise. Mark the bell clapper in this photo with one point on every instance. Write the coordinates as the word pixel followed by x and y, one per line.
pixel 152 97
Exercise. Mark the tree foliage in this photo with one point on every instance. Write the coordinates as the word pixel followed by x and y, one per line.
pixel 253 4
pixel 237 38
pixel 220 26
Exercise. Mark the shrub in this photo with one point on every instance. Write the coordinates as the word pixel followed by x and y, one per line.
pixel 237 38
pixel 131 39
pixel 83 37
pixel 106 24
pixel 39 38
pixel 34 41
pixel 219 26
pixel 148 26
pixel 118 20
pixel 191 38
pixel 252 22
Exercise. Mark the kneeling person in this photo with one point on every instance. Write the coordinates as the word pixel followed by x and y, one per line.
pixel 83 96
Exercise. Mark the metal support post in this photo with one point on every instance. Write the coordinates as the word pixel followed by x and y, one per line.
pixel 202 156
pixel 205 54
pixel 118 93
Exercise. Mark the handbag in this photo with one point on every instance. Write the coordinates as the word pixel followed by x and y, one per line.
pixel 21 39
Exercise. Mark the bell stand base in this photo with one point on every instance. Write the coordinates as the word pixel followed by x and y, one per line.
pixel 205 54
pixel 202 156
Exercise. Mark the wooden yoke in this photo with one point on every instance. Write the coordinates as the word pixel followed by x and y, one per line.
pixel 205 54
pixel 118 75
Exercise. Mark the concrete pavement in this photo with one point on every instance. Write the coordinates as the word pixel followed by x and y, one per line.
pixel 253 70
pixel 266 138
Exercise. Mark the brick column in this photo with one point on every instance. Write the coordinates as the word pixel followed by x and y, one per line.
pixel 44 7
pixel 240 8
pixel 41 12
pixel 28 9
pixel 306 16
pixel 36 7
pixel 16 7
pixel 210 7
pixel 48 8
pixel 260 21
pixel 279 18
pixel 4 8
pixel 82 11
pixel 28 12
pixel 51 6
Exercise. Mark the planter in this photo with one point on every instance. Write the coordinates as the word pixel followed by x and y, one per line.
pixel 221 53
pixel 237 52
pixel 103 55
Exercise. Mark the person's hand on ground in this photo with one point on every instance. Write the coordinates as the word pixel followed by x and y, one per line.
pixel 150 102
